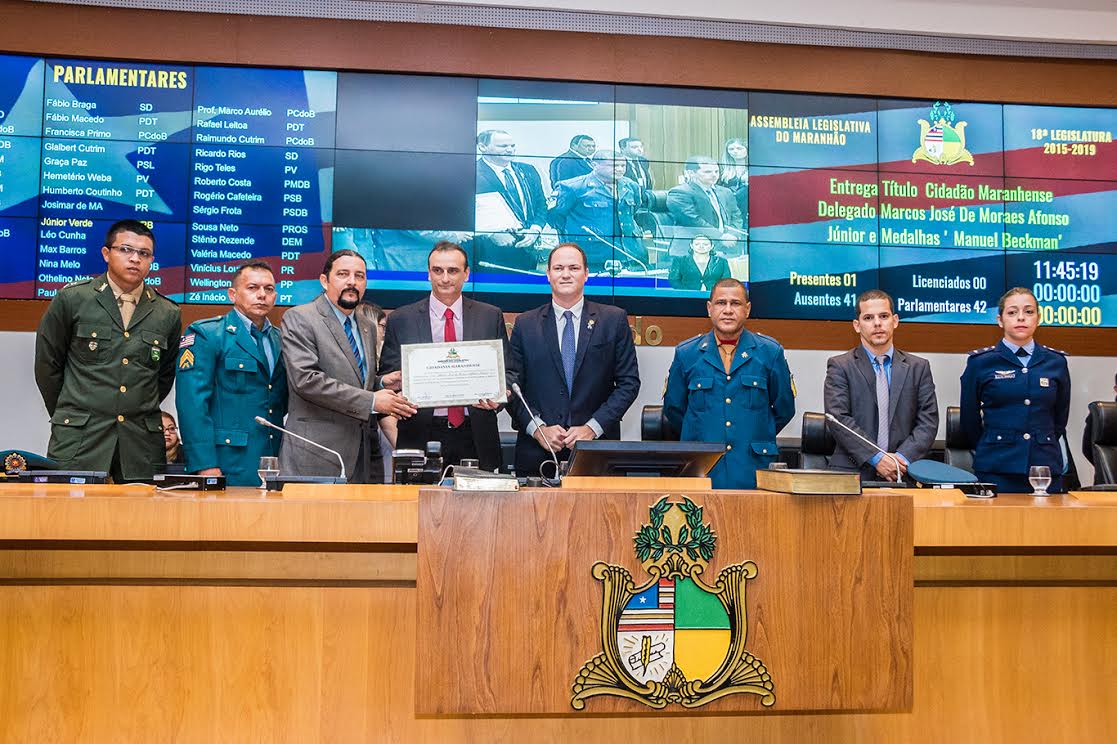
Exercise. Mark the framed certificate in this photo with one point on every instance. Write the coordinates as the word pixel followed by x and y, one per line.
pixel 457 373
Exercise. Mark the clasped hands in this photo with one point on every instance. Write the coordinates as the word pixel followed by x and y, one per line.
pixel 561 437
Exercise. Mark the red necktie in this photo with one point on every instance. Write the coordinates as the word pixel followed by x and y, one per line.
pixel 455 414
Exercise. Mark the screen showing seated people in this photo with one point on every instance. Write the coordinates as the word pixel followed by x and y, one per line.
pixel 810 199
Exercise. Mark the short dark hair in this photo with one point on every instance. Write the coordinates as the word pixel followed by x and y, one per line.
pixel 873 294
pixel 132 226
pixel 578 138
pixel 729 282
pixel 694 161
pixel 256 263
pixel 342 253
pixel 446 245
pixel 485 137
pixel 1015 291
pixel 624 142
pixel 575 246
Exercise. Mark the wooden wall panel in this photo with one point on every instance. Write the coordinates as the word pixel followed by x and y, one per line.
pixel 829 613
pixel 42 28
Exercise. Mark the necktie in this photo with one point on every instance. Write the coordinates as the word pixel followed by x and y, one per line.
pixel 568 350
pixel 127 305
pixel 726 349
pixel 454 414
pixel 261 344
pixel 513 193
pixel 356 351
pixel 1021 352
pixel 717 207
pixel 882 404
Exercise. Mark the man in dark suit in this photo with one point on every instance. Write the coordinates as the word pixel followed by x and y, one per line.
pixel 885 394
pixel 636 165
pixel 521 188
pixel 447 316
pixel 575 161
pixel 576 364
pixel 703 205
pixel 335 394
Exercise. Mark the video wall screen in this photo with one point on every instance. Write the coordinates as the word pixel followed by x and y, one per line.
pixel 809 198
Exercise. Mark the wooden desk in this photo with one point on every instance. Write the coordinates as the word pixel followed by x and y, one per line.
pixel 236 617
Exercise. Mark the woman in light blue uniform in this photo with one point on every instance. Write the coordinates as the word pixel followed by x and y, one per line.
pixel 1015 400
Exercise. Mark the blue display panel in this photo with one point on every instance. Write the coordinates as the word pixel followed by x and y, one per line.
pixel 809 198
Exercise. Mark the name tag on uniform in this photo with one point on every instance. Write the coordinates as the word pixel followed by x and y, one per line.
pixel 1045 382
pixel 1004 374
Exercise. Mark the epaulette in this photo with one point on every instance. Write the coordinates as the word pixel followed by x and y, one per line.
pixel 767 338
pixel 975 352
pixel 691 340
pixel 153 291
pixel 1057 351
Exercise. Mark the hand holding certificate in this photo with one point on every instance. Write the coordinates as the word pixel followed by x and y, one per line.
pixel 456 373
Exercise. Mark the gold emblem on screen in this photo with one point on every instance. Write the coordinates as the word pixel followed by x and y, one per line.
pixel 673 639
pixel 942 141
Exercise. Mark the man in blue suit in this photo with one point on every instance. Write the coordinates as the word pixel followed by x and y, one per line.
pixel 576 364
pixel 733 386
pixel 230 370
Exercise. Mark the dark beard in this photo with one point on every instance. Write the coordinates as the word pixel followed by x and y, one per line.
pixel 347 304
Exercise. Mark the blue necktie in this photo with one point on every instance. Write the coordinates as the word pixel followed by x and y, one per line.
pixel 568 350
pixel 353 345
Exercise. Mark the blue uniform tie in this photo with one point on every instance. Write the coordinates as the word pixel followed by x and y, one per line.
pixel 262 345
pixel 568 349
pixel 356 351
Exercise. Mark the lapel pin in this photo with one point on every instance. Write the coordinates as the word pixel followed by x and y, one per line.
pixel 590 323
pixel 231 328
pixel 93 346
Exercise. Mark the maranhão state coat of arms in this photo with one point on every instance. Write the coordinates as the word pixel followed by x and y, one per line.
pixel 941 140
pixel 673 639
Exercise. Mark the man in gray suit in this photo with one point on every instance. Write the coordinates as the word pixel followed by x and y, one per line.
pixel 885 394
pixel 335 395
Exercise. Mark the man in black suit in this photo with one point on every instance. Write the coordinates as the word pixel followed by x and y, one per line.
pixel 447 316
pixel 575 161
pixel 636 165
pixel 703 205
pixel 576 364
pixel 521 188
pixel 885 394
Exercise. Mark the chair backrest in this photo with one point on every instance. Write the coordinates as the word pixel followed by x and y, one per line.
pixel 654 426
pixel 957 451
pixel 1103 440
pixel 817 442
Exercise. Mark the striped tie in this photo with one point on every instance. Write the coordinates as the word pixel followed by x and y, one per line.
pixel 882 404
pixel 356 351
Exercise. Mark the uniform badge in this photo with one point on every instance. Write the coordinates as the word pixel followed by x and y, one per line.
pixel 155 354
pixel 1045 382
pixel 185 341
pixel 650 652
pixel 1004 374
pixel 231 328
pixel 93 346
pixel 14 463
pixel 186 361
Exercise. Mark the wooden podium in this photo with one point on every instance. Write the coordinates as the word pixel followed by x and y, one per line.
pixel 530 603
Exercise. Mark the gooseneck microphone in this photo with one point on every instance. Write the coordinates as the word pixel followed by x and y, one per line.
pixel 615 247
pixel 895 463
pixel 264 422
pixel 539 423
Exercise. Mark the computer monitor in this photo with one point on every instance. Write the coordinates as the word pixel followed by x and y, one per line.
pixel 647 459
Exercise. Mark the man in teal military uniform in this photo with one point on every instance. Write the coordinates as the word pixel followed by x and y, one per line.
pixel 731 386
pixel 104 359
pixel 229 372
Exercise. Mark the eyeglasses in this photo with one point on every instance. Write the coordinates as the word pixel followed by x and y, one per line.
pixel 128 251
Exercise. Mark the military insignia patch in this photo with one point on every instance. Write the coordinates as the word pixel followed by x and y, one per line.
pixel 14 463
pixel 186 361
pixel 1045 382
pixel 673 639
pixel 941 140
pixel 155 354
pixel 185 341
pixel 93 346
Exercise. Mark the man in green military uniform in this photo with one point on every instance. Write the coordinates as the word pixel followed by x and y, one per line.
pixel 229 372
pixel 104 359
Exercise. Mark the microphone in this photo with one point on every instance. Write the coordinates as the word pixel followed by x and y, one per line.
pixel 264 422
pixel 895 463
pixel 539 424
pixel 491 265
pixel 615 247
